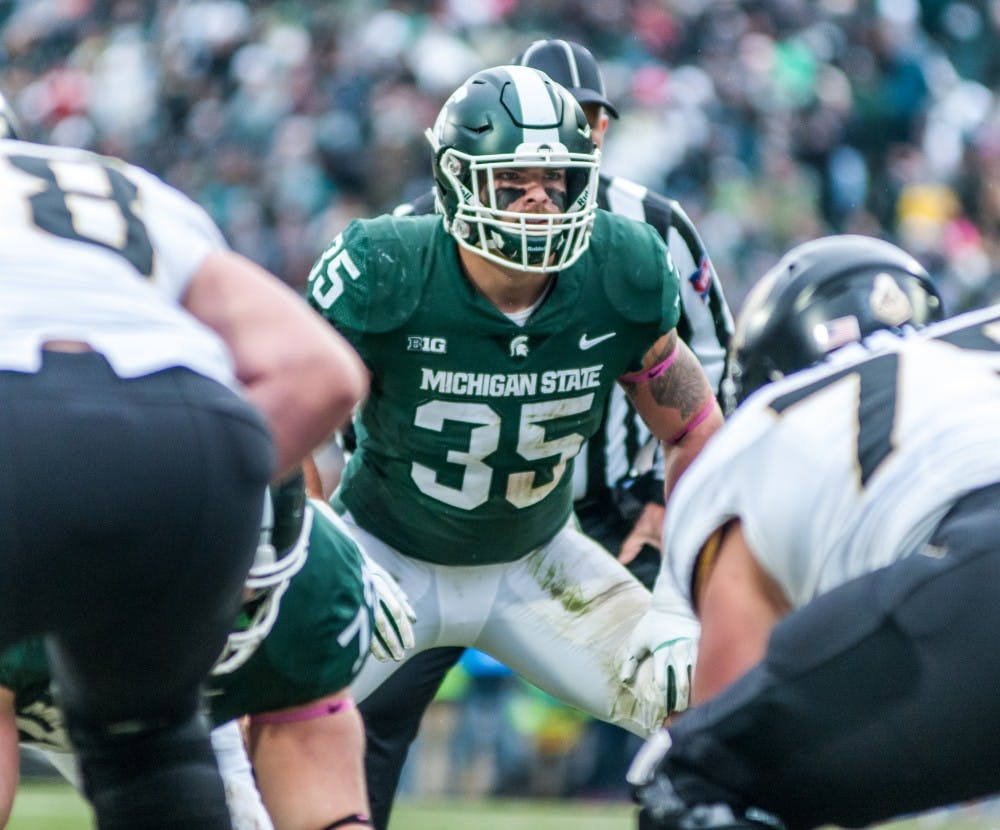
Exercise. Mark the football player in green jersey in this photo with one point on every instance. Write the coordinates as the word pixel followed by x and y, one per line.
pixel 494 332
pixel 314 608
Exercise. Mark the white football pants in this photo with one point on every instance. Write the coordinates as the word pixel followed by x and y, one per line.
pixel 559 616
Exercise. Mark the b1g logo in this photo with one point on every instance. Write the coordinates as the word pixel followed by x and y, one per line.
pixel 433 345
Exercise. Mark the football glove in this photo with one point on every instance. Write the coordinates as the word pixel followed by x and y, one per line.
pixel 394 616
pixel 670 640
pixel 668 635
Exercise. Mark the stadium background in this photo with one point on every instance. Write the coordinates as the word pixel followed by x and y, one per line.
pixel 772 121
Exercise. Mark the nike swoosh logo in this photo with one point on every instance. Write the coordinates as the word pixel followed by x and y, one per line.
pixel 586 343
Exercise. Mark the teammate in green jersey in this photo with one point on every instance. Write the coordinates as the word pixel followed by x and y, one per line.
pixel 494 332
pixel 316 606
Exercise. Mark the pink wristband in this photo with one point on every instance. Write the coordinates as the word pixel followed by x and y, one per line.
pixel 320 710
pixel 703 413
pixel 646 375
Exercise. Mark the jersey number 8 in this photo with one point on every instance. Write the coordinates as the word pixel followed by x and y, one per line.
pixel 88 202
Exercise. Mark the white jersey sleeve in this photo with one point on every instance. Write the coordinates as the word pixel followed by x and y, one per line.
pixel 844 468
pixel 977 332
pixel 96 250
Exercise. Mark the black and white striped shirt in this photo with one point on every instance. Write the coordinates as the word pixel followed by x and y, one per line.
pixel 615 454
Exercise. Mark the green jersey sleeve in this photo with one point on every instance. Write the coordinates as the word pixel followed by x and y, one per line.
pixel 640 279
pixel 320 638
pixel 371 277
pixel 335 288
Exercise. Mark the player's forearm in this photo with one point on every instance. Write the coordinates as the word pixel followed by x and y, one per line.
pixel 738 604
pixel 678 456
pixel 675 399
pixel 301 417
pixel 310 772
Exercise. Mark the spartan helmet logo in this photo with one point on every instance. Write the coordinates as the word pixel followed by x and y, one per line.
pixel 889 302
pixel 519 346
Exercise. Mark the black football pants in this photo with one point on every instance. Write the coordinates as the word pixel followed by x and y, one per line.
pixel 129 514
pixel 879 698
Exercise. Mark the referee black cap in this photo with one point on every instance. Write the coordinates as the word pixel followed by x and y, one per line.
pixel 571 65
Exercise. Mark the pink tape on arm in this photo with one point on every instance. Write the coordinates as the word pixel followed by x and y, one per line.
pixel 646 375
pixel 703 413
pixel 319 710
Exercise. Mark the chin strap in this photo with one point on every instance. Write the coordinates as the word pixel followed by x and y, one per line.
pixel 353 818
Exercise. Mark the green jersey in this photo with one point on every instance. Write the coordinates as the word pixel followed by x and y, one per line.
pixel 319 640
pixel 317 646
pixel 466 442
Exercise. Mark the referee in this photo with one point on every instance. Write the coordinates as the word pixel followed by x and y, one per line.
pixel 618 486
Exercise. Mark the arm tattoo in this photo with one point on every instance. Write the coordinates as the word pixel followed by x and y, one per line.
pixel 630 382
pixel 682 386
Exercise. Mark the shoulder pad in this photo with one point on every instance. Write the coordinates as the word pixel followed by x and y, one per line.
pixel 420 206
pixel 372 276
pixel 639 276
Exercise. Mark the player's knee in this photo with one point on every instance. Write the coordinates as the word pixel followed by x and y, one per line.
pixel 151 775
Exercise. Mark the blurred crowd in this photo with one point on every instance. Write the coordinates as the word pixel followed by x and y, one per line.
pixel 772 121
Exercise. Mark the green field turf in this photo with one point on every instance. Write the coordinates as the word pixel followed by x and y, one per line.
pixel 58 807
pixel 55 806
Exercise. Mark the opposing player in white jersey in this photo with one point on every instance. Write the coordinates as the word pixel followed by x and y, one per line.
pixel 864 492
pixel 137 358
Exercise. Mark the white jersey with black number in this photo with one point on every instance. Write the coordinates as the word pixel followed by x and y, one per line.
pixel 95 250
pixel 843 468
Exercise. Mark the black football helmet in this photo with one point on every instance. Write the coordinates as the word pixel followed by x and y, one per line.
pixel 514 116
pixel 822 295
pixel 572 65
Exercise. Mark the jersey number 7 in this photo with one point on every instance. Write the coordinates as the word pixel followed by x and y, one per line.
pixel 876 407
